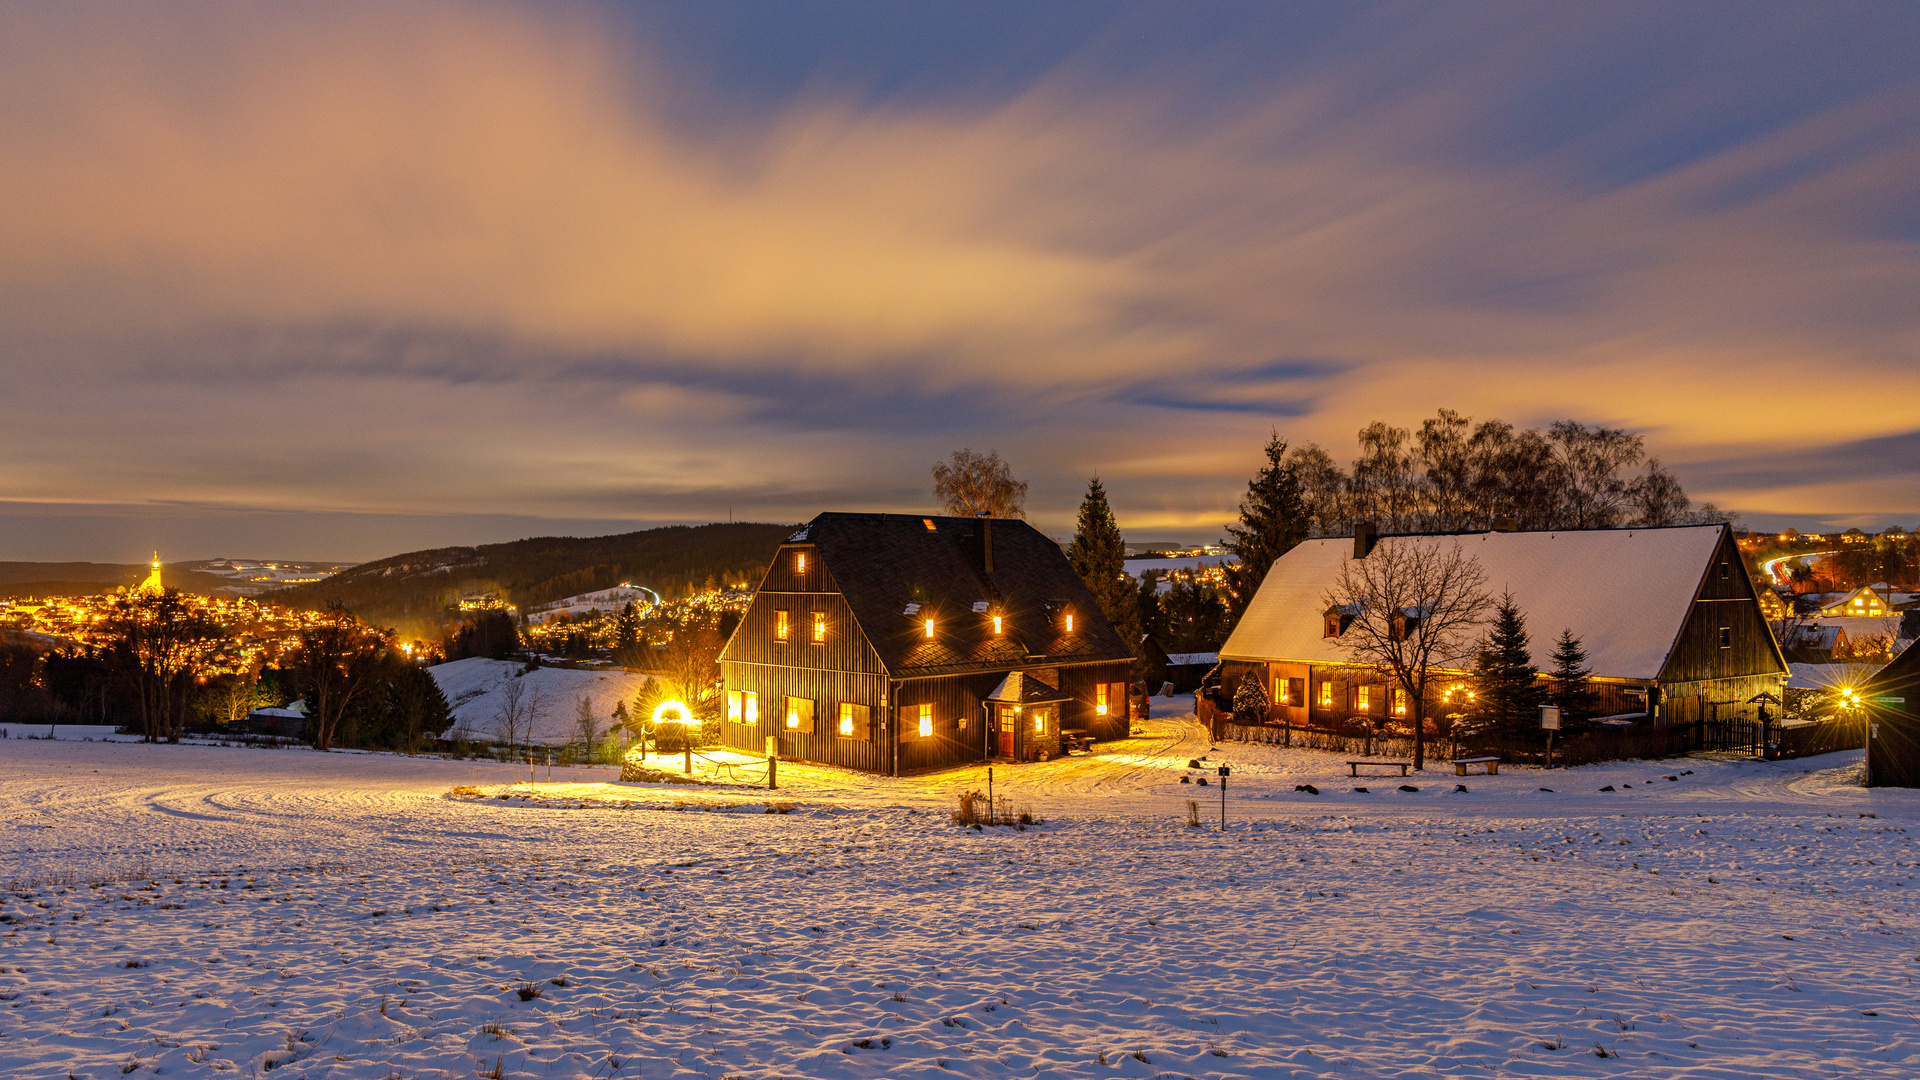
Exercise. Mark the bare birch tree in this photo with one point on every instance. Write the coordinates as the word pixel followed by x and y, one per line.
pixel 510 718
pixel 1415 605
pixel 586 724
pixel 969 483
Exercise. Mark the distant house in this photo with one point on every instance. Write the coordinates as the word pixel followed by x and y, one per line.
pixel 1669 618
pixel 1867 600
pixel 1772 608
pixel 287 723
pixel 1815 644
pixel 895 644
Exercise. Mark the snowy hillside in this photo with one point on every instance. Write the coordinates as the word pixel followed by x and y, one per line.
pixel 605 600
pixel 192 911
pixel 474 690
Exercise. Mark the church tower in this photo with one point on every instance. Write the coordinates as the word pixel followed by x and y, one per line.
pixel 152 584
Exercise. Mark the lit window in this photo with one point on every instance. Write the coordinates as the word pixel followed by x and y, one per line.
pixel 1399 702
pixel 780 630
pixel 929 523
pixel 819 627
pixel 1326 695
pixel 733 706
pixel 853 721
pixel 1280 691
pixel 749 707
pixel 929 626
pixel 1100 698
pixel 996 624
pixel 1069 622
pixel 1039 723
pixel 926 720
pixel 1362 698
pixel 799 562
pixel 800 715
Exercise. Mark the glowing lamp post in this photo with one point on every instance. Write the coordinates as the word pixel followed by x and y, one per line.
pixel 677 713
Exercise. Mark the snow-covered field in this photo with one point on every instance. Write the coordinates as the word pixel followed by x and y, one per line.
pixel 474 688
pixel 205 911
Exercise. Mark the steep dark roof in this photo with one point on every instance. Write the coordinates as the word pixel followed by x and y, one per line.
pixel 885 562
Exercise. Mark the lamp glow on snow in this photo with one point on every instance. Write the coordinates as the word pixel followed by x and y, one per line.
pixel 673 712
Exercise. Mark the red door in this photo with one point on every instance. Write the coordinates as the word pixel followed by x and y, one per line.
pixel 1007 721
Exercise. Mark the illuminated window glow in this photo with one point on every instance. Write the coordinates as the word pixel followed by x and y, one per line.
pixel 780 627
pixel 819 627
pixel 926 721
pixel 1100 698
pixel 929 626
pixel 1039 723
pixel 1399 702
pixel 1326 695
pixel 846 719
pixel 749 707
pixel 799 562
pixel 996 624
pixel 1362 698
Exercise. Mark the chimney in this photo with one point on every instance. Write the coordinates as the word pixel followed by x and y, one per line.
pixel 1364 537
pixel 986 541
pixel 1503 523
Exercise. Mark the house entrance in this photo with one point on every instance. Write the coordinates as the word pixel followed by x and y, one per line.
pixel 1006 730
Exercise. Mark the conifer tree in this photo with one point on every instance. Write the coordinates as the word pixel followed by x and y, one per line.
pixel 1250 705
pixel 1099 556
pixel 1509 701
pixel 1571 689
pixel 1274 517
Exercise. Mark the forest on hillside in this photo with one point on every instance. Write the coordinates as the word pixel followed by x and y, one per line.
pixel 417 593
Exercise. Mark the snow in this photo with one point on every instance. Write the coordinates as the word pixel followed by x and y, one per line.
pixel 1187 563
pixel 474 691
pixel 1623 592
pixel 613 599
pixel 203 911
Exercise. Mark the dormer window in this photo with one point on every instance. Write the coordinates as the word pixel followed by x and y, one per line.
pixel 1333 625
pixel 927 624
pixel 996 624
pixel 1069 622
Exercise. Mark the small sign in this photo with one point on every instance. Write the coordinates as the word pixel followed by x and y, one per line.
pixel 1225 771
pixel 1550 718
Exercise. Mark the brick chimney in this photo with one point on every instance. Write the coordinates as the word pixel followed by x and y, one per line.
pixel 1364 537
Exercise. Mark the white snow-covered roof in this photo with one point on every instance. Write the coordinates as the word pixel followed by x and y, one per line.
pixel 1623 592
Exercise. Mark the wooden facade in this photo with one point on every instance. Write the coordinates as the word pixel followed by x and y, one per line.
pixel 1891 703
pixel 1721 655
pixel 876 640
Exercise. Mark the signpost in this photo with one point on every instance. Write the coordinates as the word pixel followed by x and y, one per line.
pixel 1224 773
pixel 1550 723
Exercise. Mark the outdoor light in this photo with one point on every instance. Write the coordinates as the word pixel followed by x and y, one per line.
pixel 673 712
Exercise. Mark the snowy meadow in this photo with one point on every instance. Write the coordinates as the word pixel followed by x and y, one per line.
pixel 205 911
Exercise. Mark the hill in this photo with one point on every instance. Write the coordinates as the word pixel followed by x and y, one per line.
pixel 89 579
pixel 416 592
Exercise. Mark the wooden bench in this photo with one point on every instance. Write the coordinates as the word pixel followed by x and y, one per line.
pixel 1492 764
pixel 1075 739
pixel 1353 767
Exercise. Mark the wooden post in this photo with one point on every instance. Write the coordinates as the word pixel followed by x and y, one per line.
pixel 773 773
pixel 989 794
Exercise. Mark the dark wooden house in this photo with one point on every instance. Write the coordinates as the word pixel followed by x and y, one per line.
pixel 1669 617
pixel 897 644
pixel 1891 700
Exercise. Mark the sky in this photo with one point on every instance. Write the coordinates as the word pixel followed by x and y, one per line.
pixel 335 281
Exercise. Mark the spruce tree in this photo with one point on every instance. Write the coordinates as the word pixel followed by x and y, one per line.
pixel 1509 702
pixel 1571 689
pixel 1099 556
pixel 1250 705
pixel 1273 519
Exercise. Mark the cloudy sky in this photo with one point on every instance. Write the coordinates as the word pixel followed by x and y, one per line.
pixel 335 281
